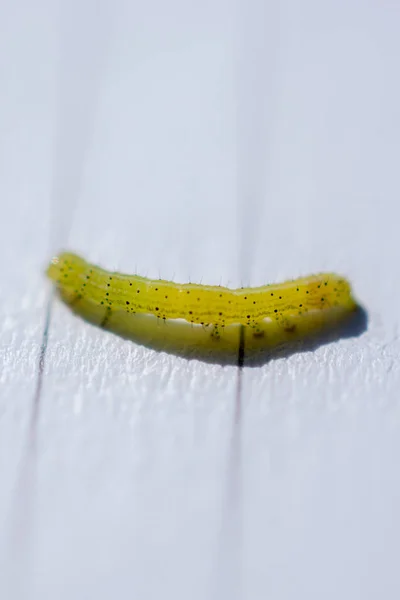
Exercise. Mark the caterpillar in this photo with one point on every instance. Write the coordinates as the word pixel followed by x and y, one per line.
pixel 135 306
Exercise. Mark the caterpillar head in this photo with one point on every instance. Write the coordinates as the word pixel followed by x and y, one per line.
pixel 66 269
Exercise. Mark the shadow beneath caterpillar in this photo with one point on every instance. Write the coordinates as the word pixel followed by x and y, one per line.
pixel 354 325
pixel 305 332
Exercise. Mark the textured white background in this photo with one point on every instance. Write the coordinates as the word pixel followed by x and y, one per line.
pixel 152 137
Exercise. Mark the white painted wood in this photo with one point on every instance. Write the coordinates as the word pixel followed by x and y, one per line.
pixel 124 486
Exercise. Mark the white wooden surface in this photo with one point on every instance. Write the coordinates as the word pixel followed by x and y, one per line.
pixel 120 138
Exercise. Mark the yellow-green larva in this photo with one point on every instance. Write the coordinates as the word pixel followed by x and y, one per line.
pixel 277 311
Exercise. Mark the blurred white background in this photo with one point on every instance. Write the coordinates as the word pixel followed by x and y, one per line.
pixel 224 142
